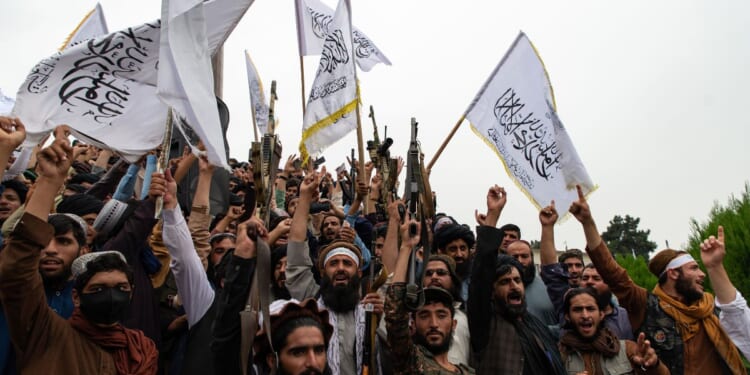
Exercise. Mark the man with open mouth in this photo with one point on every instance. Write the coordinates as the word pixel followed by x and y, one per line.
pixel 505 338
pixel 677 316
pixel 588 345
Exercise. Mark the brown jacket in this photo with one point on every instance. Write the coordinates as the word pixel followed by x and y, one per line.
pixel 700 354
pixel 45 343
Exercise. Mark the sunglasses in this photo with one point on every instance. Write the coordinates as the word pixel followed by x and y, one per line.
pixel 439 272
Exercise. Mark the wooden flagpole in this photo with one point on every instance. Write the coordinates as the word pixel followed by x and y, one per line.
pixel 445 143
pixel 302 79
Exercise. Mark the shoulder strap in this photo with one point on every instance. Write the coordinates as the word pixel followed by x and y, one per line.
pixel 257 301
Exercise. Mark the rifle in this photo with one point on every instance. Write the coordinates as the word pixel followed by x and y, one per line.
pixel 384 164
pixel 414 294
pixel 265 155
pixel 369 357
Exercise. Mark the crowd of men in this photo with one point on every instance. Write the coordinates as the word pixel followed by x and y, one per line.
pixel 103 272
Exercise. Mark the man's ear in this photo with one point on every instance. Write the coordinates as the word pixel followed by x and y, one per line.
pixel 453 326
pixel 76 298
pixel 673 274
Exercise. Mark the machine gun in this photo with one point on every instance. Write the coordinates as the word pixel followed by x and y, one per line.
pixel 265 155
pixel 385 165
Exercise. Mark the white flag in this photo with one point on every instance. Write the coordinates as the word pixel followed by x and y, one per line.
pixel 313 20
pixel 513 113
pixel 91 26
pixel 6 104
pixel 257 97
pixel 185 77
pixel 105 88
pixel 329 114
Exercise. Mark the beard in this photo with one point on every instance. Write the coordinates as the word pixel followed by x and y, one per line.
pixel 511 311
pixel 684 287
pixel 529 273
pixel 280 292
pixel 463 268
pixel 57 279
pixel 340 298
pixel 282 371
pixel 435 349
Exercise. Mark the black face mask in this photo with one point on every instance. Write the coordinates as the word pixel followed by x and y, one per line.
pixel 107 306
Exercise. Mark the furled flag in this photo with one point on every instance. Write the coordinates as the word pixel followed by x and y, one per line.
pixel 313 20
pixel 185 77
pixel 6 103
pixel 105 88
pixel 91 26
pixel 329 114
pixel 257 97
pixel 514 114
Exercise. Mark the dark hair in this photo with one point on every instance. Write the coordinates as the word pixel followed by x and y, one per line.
pixel 511 227
pixel 505 264
pixel 293 181
pixel 451 232
pixel 601 305
pixel 18 187
pixel 589 265
pixel 103 263
pixel 218 237
pixel 380 230
pixel 84 177
pixel 570 253
pixel 77 188
pixel 327 215
pixel 280 334
pixel 80 204
pixel 64 224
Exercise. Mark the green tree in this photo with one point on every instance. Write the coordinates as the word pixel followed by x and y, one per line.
pixel 623 237
pixel 637 270
pixel 735 218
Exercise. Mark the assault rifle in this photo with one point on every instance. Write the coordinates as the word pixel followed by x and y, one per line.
pixel 420 201
pixel 381 158
pixel 265 156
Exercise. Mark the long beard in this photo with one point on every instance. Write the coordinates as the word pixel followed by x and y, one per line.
pixel 435 349
pixel 463 268
pixel 340 298
pixel 683 286
pixel 510 311
pixel 529 273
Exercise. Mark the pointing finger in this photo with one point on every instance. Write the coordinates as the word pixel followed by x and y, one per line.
pixel 580 192
pixel 721 234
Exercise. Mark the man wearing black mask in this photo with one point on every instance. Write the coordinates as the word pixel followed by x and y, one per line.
pixel 92 341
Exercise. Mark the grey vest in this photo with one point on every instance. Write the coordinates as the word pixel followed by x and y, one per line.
pixel 616 365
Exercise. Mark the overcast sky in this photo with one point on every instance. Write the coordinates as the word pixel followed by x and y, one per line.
pixel 651 93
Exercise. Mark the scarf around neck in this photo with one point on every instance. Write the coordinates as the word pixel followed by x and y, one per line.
pixel 604 345
pixel 132 352
pixel 700 315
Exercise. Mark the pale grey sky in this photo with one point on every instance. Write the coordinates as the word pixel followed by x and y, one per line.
pixel 651 93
